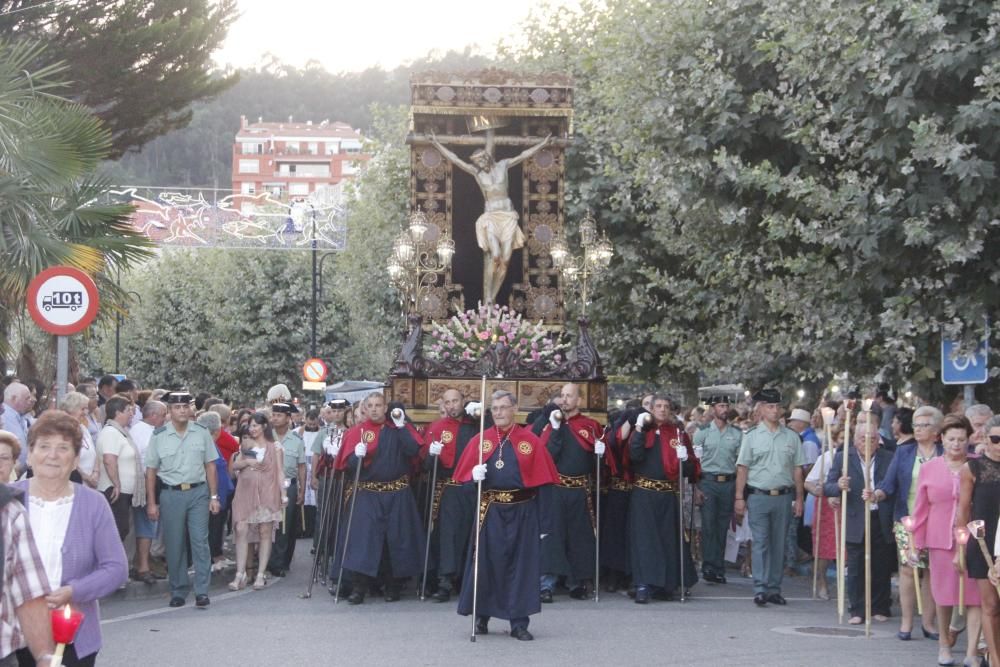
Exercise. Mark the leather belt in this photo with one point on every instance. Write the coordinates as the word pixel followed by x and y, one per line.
pixel 718 477
pixel 386 487
pixel 619 484
pixel 182 487
pixel 660 485
pixel 574 481
pixel 781 491
pixel 503 496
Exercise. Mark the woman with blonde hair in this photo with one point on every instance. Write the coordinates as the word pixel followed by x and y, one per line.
pixel 77 405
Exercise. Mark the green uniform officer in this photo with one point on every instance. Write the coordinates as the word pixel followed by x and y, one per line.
pixel 294 450
pixel 769 485
pixel 180 459
pixel 717 446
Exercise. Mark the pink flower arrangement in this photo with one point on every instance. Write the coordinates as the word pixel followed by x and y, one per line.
pixel 468 335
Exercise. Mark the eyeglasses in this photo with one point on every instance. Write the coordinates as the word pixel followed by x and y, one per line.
pixel 995 439
pixel 924 425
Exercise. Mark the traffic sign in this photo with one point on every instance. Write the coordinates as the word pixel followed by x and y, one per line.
pixel 964 368
pixel 62 300
pixel 314 370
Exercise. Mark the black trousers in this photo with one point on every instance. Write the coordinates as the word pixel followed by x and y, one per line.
pixel 121 510
pixel 69 659
pixel 284 540
pixel 217 531
pixel 883 553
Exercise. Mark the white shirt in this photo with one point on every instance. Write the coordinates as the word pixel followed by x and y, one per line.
pixel 49 520
pixel 88 452
pixel 141 432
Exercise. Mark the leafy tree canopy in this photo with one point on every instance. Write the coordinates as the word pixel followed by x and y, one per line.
pixel 138 64
pixel 794 189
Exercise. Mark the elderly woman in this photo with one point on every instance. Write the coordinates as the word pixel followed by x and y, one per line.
pixel 901 481
pixel 122 477
pixel 10 449
pixel 979 499
pixel 74 532
pixel 257 504
pixel 934 522
pixel 77 405
pixel 858 503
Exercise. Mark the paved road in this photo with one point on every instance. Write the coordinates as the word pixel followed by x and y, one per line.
pixel 719 625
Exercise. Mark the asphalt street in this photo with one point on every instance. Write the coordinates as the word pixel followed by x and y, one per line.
pixel 718 625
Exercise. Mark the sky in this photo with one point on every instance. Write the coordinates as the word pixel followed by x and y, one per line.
pixel 354 35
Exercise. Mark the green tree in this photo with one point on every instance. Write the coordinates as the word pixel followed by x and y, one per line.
pixel 50 191
pixel 138 64
pixel 794 189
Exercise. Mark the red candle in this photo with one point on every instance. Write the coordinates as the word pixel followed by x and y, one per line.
pixel 65 623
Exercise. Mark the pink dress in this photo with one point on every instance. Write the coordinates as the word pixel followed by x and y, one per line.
pixel 258 492
pixel 934 518
pixel 825 541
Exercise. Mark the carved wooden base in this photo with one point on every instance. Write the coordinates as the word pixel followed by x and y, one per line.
pixel 424 393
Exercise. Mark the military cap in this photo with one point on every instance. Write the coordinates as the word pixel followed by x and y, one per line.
pixel 768 395
pixel 178 398
pixel 285 408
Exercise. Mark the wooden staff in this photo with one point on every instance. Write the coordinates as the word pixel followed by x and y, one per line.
pixel 868 521
pixel 479 500
pixel 828 415
pixel 907 522
pixel 841 579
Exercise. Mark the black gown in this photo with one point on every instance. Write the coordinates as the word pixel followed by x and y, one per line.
pixel 653 524
pixel 985 506
pixel 385 523
pixel 455 513
pixel 509 547
pixel 570 547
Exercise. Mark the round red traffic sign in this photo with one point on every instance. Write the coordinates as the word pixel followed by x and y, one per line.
pixel 62 300
pixel 314 370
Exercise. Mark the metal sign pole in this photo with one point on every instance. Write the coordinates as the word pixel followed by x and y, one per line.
pixel 62 366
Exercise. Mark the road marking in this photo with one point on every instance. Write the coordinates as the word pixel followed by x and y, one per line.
pixel 165 610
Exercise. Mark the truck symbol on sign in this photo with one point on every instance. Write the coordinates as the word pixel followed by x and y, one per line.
pixel 71 300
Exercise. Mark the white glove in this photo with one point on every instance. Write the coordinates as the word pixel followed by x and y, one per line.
pixel 599 448
pixel 287 484
pixel 555 419
pixel 360 450
pixel 436 447
pixel 474 409
pixel 682 453
pixel 331 448
pixel 699 451
pixel 399 420
pixel 479 472
pixel 640 421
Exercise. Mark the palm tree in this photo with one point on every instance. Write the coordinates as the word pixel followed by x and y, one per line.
pixel 52 204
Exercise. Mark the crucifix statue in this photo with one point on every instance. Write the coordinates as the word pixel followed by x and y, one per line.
pixel 497 230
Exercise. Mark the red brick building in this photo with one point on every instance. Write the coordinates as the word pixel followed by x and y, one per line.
pixel 292 161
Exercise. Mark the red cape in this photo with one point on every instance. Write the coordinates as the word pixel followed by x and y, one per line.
pixel 369 432
pixel 533 459
pixel 670 435
pixel 444 430
pixel 585 432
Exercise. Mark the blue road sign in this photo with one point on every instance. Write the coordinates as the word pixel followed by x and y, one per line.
pixel 964 368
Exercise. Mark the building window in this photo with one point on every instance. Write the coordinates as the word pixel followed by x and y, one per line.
pixel 247 188
pixel 332 147
pixel 313 148
pixel 251 148
pixel 249 167
pixel 298 188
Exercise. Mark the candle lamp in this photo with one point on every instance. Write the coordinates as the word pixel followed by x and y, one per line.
pixel 65 624
pixel 961 538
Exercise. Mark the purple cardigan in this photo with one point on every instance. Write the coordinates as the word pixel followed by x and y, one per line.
pixel 93 560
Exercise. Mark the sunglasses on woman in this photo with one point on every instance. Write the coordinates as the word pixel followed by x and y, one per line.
pixel 995 439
